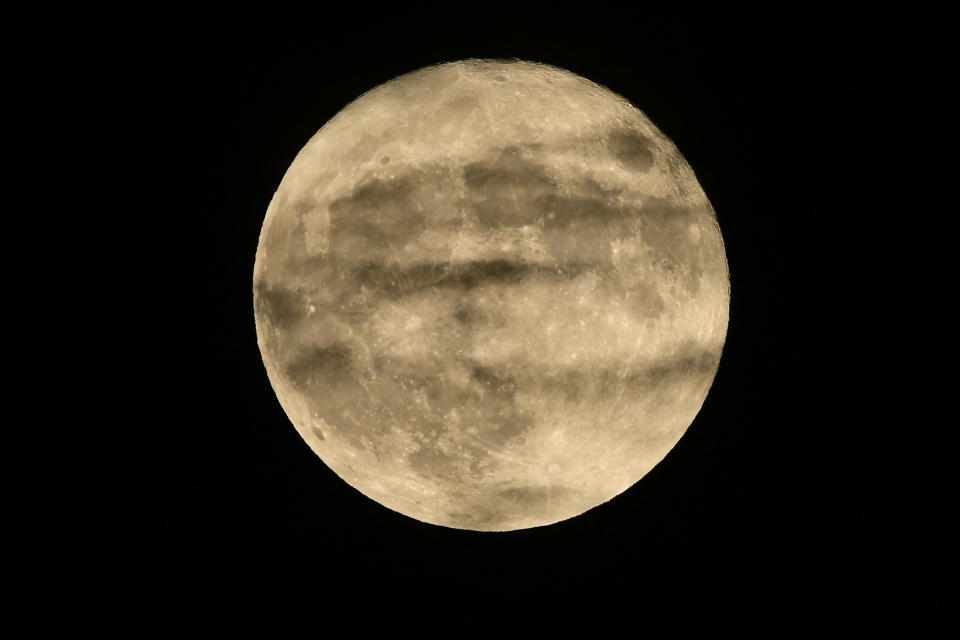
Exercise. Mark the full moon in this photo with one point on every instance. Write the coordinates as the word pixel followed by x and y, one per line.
pixel 490 294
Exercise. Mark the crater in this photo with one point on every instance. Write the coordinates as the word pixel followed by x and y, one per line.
pixel 631 150
pixel 467 314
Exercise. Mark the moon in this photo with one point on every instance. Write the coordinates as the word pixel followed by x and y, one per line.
pixel 490 294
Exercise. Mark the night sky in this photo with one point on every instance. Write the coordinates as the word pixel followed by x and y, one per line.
pixel 155 471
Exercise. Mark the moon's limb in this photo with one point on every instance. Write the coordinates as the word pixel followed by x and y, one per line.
pixel 491 295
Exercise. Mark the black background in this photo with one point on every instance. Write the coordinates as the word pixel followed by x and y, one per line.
pixel 155 472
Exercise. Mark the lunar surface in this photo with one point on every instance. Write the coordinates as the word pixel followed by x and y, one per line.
pixel 490 295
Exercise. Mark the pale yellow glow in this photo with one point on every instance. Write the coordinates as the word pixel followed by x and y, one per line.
pixel 490 295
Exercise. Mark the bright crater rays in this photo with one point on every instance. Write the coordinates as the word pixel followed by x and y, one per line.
pixel 490 295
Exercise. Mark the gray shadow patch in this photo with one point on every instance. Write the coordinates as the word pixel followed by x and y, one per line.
pixel 631 150
pixel 305 206
pixel 665 229
pixel 505 424
pixel 460 106
pixel 563 212
pixel 476 272
pixel 478 518
pixel 491 410
pixel 569 384
pixel 495 382
pixel 506 272
pixel 394 281
pixel 318 433
pixel 646 300
pixel 503 191
pixel 280 306
pixel 538 501
pixel 578 384
pixel 324 364
pixel 378 214
pixel 589 188
pixel 691 360
pixel 469 315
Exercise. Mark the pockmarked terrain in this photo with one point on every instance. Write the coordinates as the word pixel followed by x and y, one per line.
pixel 490 295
